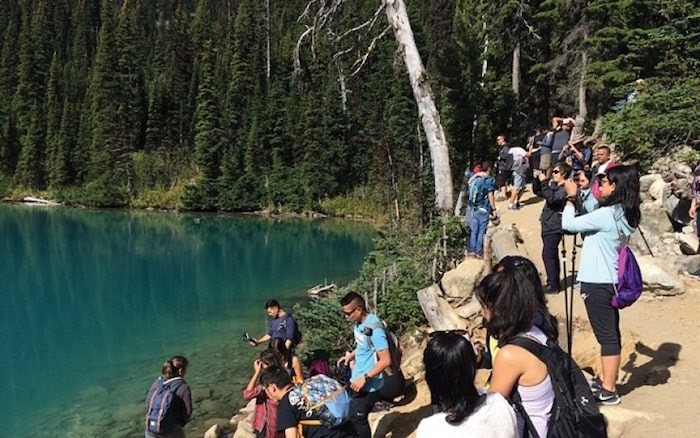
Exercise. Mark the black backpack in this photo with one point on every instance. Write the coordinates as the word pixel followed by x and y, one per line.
pixel 394 347
pixel 575 412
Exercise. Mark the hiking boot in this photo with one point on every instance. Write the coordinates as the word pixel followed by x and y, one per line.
pixel 606 397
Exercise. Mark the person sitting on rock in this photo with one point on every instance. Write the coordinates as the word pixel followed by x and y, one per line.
pixel 450 369
pixel 511 304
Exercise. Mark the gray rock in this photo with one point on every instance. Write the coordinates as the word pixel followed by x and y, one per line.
pixel 244 430
pixel 680 170
pixel 659 277
pixel 656 189
pixel 646 181
pixel 460 282
pixel 688 243
pixel 686 265
pixel 214 432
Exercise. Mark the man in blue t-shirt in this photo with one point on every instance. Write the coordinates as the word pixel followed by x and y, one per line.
pixel 480 206
pixel 283 325
pixel 367 374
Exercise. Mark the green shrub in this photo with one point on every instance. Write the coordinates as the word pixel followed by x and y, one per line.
pixel 662 117
pixel 401 264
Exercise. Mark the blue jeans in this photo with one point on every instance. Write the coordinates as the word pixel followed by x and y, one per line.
pixel 478 220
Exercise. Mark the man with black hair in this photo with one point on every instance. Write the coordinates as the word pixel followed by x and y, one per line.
pixel 371 357
pixel 291 408
pixel 283 325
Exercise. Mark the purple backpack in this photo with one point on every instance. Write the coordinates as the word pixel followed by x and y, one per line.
pixel 629 276
pixel 629 279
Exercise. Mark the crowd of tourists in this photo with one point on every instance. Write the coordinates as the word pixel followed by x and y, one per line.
pixel 585 194
pixel 282 390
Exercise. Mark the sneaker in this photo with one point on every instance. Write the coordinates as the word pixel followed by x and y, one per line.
pixel 595 385
pixel 551 289
pixel 513 207
pixel 606 397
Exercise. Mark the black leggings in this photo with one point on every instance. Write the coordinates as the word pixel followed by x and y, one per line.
pixel 604 318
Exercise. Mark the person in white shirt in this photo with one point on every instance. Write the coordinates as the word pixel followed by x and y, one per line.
pixel 602 157
pixel 521 164
pixel 450 368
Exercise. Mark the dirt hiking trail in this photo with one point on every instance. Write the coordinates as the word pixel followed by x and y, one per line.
pixel 659 380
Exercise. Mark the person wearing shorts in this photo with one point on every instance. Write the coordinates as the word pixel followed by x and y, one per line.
pixel 518 173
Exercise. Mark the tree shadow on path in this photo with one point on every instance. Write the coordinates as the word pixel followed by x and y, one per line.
pixel 655 371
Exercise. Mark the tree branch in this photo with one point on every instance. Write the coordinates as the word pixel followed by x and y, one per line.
pixel 370 48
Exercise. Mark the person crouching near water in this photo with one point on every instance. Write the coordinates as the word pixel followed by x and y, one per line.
pixel 511 304
pixel 552 190
pixel 450 369
pixel 290 361
pixel 173 419
pixel 606 230
pixel 265 414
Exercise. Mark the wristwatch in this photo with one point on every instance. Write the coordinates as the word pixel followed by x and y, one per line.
pixel 571 198
pixel 367 377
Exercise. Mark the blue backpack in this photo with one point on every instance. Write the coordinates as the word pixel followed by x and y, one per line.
pixel 324 399
pixel 477 192
pixel 159 416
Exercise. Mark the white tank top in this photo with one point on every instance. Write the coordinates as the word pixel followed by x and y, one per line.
pixel 537 399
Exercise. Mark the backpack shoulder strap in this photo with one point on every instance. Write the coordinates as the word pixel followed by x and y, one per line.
pixel 374 326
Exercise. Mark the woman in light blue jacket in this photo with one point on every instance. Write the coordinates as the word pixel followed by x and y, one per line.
pixel 606 229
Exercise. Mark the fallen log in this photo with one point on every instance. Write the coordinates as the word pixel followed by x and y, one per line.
pixel 438 312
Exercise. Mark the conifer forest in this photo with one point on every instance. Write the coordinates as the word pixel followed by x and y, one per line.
pixel 244 105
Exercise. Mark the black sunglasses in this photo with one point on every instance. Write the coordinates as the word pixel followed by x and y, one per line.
pixel 350 312
pixel 508 261
pixel 458 332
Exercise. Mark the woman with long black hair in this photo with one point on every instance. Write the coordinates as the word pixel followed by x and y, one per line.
pixel 450 368
pixel 606 230
pixel 513 305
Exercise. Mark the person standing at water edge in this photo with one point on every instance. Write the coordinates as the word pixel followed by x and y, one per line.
pixel 283 326
pixel 367 377
pixel 173 418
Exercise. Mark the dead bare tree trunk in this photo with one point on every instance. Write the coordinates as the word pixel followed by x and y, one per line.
pixel 437 143
pixel 582 107
pixel 267 40
pixel 516 72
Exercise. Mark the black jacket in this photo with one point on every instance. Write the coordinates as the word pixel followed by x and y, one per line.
pixel 555 200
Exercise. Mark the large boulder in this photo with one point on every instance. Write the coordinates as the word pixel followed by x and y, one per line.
pixel 654 219
pixel 687 265
pixel 680 169
pixel 656 189
pixel 688 243
pixel 659 276
pixel 646 181
pixel 460 282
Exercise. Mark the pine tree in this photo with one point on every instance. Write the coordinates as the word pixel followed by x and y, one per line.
pixel 9 141
pixel 207 137
pixel 35 55
pixel 108 168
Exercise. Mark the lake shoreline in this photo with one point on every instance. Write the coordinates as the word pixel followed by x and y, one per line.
pixel 267 213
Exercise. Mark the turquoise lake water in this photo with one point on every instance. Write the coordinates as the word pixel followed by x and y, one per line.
pixel 93 302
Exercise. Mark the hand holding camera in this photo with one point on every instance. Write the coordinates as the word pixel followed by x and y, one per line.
pixel 246 338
